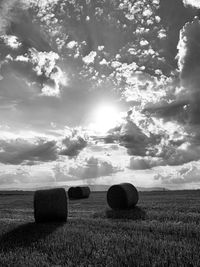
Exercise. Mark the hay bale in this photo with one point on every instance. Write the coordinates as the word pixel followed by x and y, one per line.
pixel 79 192
pixel 122 196
pixel 50 205
pixel 70 192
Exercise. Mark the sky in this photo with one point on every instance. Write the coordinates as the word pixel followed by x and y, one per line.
pixel 99 92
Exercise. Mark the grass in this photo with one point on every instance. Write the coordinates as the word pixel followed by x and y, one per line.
pixel 162 231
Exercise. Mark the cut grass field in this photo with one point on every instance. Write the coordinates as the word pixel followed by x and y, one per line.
pixel 164 230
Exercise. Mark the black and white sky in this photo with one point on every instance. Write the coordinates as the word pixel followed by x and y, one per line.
pixel 99 92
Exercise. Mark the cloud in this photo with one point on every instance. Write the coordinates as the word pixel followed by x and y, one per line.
pixel 61 173
pixel 176 103
pixel 133 139
pixel 93 168
pixel 17 177
pixel 40 67
pixel 73 145
pixel 193 3
pixel 188 62
pixel 16 19
pixel 154 142
pixel 185 175
pixel 36 150
pixel 20 151
pixel 27 50
pixel 143 163
pixel 45 43
pixel 90 57
pixel 184 153
pixel 11 41
pixel 25 176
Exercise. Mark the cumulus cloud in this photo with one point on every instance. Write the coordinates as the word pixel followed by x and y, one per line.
pixel 11 41
pixel 193 3
pixel 71 44
pixel 90 57
pixel 93 168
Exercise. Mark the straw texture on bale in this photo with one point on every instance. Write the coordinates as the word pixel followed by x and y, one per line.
pixel 79 192
pixel 122 196
pixel 50 205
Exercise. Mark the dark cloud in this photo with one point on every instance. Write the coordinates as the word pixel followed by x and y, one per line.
pixel 188 59
pixel 130 136
pixel 133 139
pixel 31 152
pixel 182 37
pixel 170 145
pixel 73 146
pixel 19 150
pixel 176 110
pixel 185 106
pixel 173 16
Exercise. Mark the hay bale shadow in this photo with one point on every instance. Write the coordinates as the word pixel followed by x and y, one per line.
pixel 26 234
pixel 135 213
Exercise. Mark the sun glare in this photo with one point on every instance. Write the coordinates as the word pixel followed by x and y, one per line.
pixel 104 118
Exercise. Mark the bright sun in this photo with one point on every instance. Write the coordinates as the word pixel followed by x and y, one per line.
pixel 104 117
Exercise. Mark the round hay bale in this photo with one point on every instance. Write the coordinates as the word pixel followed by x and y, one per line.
pixel 122 196
pixel 79 192
pixel 71 192
pixel 50 205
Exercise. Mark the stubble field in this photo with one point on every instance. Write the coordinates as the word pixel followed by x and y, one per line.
pixel 164 230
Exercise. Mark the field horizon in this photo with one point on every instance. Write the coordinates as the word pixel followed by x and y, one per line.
pixel 93 188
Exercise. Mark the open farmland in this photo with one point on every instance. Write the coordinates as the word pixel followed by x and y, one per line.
pixel 167 233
